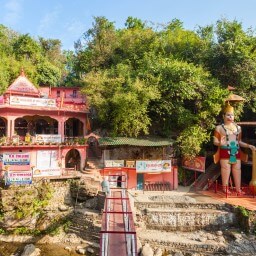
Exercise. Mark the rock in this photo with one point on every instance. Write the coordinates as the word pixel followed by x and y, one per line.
pixel 203 239
pixel 158 252
pixel 81 251
pixel 31 250
pixel 91 203
pixel 219 233
pixel 237 236
pixel 79 247
pixel 72 238
pixel 139 245
pixel 178 254
pixel 147 250
pixel 221 239
pixel 90 250
pixel 67 248
pixel 63 208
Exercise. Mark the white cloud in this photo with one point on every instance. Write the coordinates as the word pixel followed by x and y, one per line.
pixel 49 20
pixel 13 9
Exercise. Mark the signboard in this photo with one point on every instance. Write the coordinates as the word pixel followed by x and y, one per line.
pixel 114 163
pixel 130 164
pixel 153 166
pixel 18 177
pixel 49 172
pixel 29 101
pixel 195 164
pixel 16 159
pixel 48 138
pixel 47 159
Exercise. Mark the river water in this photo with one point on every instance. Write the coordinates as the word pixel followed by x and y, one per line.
pixel 8 249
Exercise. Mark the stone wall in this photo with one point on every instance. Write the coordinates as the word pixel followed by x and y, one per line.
pixel 21 207
pixel 185 216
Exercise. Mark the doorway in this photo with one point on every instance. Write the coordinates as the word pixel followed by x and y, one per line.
pixel 140 181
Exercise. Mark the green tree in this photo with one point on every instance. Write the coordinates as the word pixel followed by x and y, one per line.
pixel 231 58
pixel 48 74
pixel 121 103
pixel 25 47
pixel 132 22
pixel 97 47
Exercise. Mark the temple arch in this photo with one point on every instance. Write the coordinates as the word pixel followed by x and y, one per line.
pixel 21 126
pixel 74 128
pixel 73 159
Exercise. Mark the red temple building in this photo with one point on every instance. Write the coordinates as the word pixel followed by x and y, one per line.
pixel 44 133
pixel 42 129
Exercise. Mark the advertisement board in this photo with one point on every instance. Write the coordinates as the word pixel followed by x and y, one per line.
pixel 47 164
pixel 114 163
pixel 16 159
pixel 18 177
pixel 48 138
pixel 29 101
pixel 47 159
pixel 153 166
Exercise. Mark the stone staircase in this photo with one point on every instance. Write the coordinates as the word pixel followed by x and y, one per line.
pixel 92 169
pixel 86 221
pixel 186 216
pixel 184 224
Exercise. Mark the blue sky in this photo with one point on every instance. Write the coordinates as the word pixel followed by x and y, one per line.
pixel 68 19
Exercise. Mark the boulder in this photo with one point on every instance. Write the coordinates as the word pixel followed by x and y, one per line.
pixel 30 250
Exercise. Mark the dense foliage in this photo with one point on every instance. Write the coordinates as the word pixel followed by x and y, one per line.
pixel 145 79
pixel 42 60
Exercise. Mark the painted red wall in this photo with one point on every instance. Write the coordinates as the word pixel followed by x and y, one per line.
pixel 131 175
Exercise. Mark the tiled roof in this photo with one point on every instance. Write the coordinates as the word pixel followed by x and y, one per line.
pixel 142 142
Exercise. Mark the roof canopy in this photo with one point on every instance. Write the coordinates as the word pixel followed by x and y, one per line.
pixel 22 86
pixel 141 142
pixel 234 98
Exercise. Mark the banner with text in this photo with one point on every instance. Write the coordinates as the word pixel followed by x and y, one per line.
pixel 48 138
pixel 16 159
pixel 114 163
pixel 47 159
pixel 153 166
pixel 28 101
pixel 18 178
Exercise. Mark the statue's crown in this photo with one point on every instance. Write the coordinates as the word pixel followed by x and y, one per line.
pixel 228 108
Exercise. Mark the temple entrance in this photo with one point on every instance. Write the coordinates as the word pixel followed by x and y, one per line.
pixel 73 159
pixel 74 128
pixel 93 149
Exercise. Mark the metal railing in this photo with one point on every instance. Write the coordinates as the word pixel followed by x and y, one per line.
pixel 118 236
pixel 230 190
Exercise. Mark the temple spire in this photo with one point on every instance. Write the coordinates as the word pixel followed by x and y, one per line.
pixel 22 73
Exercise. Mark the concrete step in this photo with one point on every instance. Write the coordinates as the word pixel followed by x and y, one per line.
pixel 189 219
pixel 200 242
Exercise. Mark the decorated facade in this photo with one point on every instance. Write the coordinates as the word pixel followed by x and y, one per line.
pixel 42 130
